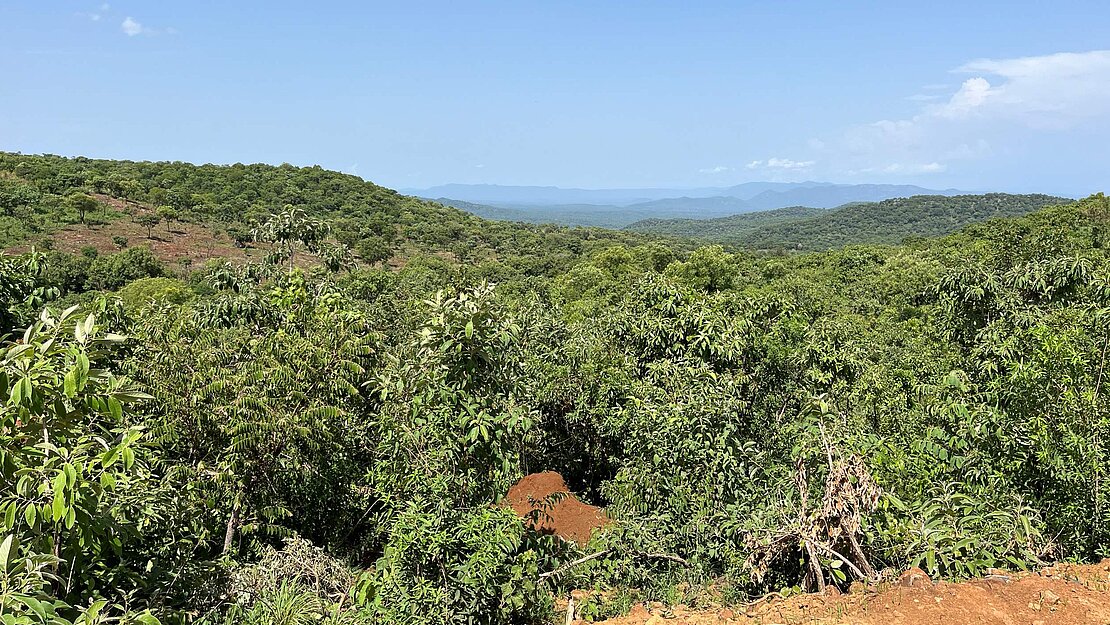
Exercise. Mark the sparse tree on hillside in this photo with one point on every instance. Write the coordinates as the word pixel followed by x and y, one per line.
pixel 148 221
pixel 285 230
pixel 82 203
pixel 169 214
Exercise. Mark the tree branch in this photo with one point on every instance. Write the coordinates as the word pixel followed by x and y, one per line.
pixel 570 565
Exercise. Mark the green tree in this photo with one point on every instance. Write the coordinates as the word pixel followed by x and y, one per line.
pixel 148 221
pixel 374 250
pixel 288 229
pixel 82 203
pixel 168 214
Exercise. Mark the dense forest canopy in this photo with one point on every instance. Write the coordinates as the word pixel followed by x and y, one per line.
pixel 725 229
pixel 313 435
pixel 887 222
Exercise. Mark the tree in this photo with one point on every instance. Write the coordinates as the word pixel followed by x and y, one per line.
pixel 270 423
pixel 82 203
pixel 13 196
pixel 287 229
pixel 23 289
pixel 169 214
pixel 336 256
pixel 374 250
pixel 148 221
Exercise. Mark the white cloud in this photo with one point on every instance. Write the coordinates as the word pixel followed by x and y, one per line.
pixel 1001 102
pixel 1051 91
pixel 719 169
pixel 775 164
pixel 95 15
pixel 131 27
pixel 973 94
pixel 908 168
pixel 786 163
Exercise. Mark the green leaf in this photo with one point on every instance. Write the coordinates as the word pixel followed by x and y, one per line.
pixel 108 458
pixel 146 618
pixel 59 506
pixel 34 604
pixel 17 393
pixel 91 613
pixel 69 386
pixel 82 371
pixel 8 550
pixel 115 408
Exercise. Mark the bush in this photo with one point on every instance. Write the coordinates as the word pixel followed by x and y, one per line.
pixel 137 294
pixel 108 273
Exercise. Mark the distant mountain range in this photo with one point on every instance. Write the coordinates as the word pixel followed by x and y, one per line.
pixel 615 208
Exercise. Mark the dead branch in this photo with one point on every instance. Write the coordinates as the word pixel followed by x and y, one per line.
pixel 665 556
pixel 570 565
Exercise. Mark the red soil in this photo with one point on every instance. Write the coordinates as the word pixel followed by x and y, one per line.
pixel 556 510
pixel 174 243
pixel 1059 595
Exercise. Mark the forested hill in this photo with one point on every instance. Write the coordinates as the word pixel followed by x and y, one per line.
pixel 218 205
pixel 886 222
pixel 265 442
pixel 724 229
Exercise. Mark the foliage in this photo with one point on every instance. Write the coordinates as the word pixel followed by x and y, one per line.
pixel 145 291
pixel 22 290
pixel 887 222
pixel 375 222
pixel 74 473
pixel 321 441
pixel 450 431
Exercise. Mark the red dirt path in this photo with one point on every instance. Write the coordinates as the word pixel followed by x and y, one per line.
pixel 558 512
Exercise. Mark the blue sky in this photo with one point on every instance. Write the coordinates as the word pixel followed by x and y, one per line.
pixel 989 95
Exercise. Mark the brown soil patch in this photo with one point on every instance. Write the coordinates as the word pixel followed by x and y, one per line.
pixel 1059 595
pixel 173 243
pixel 543 498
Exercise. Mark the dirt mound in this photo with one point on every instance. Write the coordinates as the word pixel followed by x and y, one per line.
pixel 1062 594
pixel 544 500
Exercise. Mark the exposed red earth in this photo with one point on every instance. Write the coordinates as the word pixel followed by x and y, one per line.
pixel 1063 594
pixel 552 509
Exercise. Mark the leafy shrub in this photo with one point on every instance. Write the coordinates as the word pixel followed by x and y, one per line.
pixel 139 293
pixel 77 476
